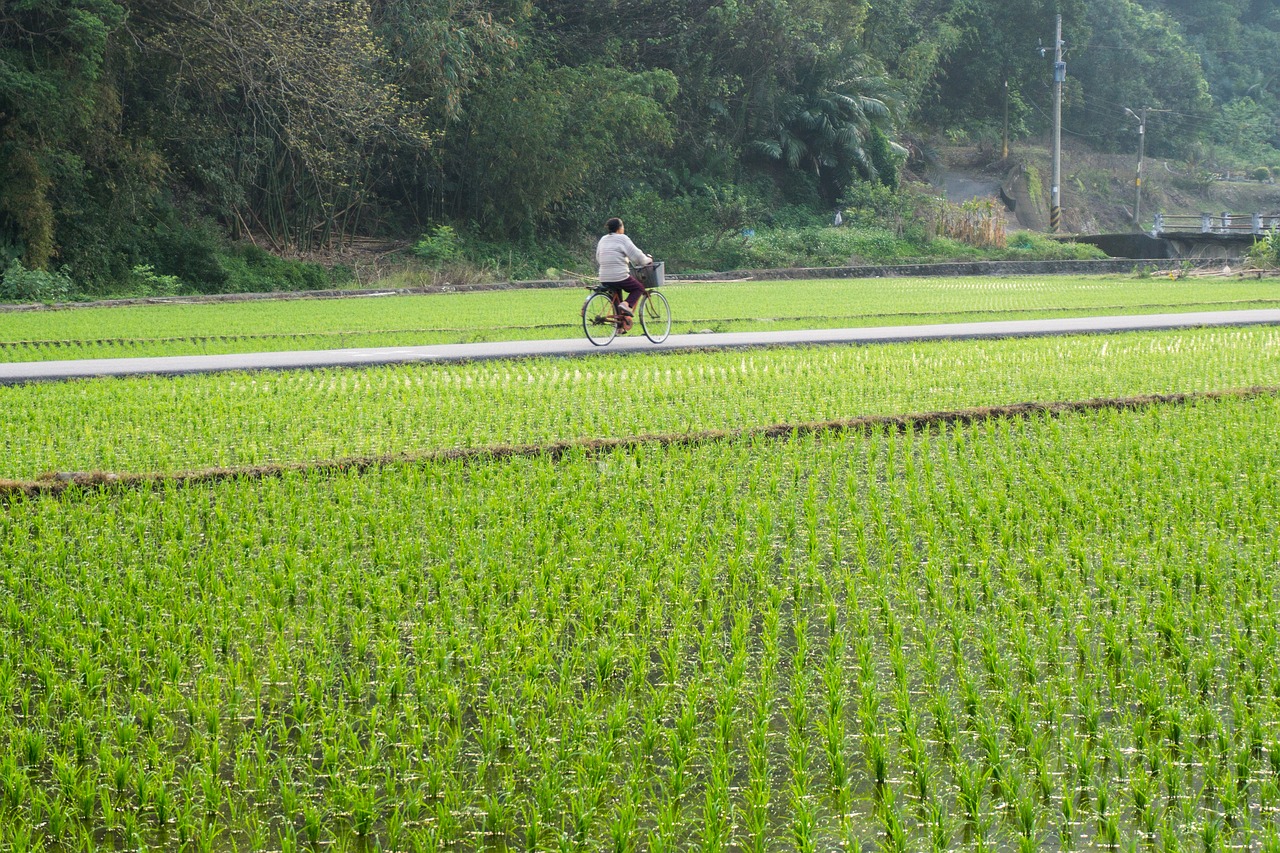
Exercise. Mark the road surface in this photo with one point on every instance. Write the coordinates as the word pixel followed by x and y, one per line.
pixel 37 371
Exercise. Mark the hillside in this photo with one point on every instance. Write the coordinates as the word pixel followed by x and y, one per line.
pixel 1097 189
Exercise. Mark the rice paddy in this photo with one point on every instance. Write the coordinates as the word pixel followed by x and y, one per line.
pixel 408 320
pixel 1004 632
pixel 228 420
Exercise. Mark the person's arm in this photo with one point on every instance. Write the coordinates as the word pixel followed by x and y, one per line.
pixel 637 257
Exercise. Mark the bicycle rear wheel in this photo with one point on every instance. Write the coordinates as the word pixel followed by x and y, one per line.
pixel 599 319
pixel 655 316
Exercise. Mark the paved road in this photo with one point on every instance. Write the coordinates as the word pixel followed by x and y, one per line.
pixel 36 371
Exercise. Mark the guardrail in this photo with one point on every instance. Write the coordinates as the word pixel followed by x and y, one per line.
pixel 1235 224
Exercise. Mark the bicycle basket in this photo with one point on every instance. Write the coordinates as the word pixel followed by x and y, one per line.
pixel 652 275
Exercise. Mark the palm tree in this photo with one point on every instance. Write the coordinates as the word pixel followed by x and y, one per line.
pixel 832 128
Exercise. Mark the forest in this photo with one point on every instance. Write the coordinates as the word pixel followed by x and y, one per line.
pixel 207 145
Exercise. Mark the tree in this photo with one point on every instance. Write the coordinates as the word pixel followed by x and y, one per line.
pixel 294 96
pixel 1231 36
pixel 51 95
pixel 1246 128
pixel 913 40
pixel 529 146
pixel 834 129
pixel 1131 57
pixel 999 43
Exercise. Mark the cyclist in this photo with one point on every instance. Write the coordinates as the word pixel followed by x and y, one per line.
pixel 613 252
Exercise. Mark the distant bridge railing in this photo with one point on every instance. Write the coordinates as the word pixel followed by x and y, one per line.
pixel 1227 224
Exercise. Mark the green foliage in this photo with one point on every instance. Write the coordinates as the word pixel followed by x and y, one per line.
pixel 1136 57
pixel 884 158
pixel 1029 244
pixel 1035 182
pixel 833 128
pixel 144 281
pixel 185 246
pixel 873 204
pixel 553 141
pixel 19 284
pixel 724 230
pixel 1246 129
pixel 52 54
pixel 1265 251
pixel 440 246
pixel 1230 36
pixel 461 257
pixel 829 247
pixel 24 204
pixel 300 119
pixel 981 46
pixel 668 225
pixel 251 269
pixel 55 110
pixel 914 41
pixel 521 121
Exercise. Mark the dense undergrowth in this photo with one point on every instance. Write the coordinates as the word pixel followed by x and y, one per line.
pixel 691 233
pixel 203 267
pixel 729 231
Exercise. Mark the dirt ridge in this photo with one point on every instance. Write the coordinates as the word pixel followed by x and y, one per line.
pixel 56 484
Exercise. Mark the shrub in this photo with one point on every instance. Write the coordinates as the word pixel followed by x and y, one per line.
pixel 709 217
pixel 875 205
pixel 190 250
pixel 1026 244
pixel 19 284
pixel 251 269
pixel 1265 252
pixel 144 281
pixel 439 247
pixel 1262 173
pixel 826 247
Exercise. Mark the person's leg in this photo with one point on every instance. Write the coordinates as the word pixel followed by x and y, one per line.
pixel 615 291
pixel 634 291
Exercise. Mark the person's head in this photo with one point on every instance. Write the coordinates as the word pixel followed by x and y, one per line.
pixel 614 225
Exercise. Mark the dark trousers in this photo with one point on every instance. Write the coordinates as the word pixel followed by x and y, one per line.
pixel 632 286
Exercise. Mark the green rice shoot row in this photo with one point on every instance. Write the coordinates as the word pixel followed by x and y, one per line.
pixel 170 425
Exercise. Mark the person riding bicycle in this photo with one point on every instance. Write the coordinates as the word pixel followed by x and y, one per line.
pixel 613 253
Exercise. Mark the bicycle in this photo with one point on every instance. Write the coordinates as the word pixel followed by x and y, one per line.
pixel 602 321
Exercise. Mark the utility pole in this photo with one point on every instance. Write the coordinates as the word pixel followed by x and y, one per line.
pixel 1059 76
pixel 1142 146
pixel 1004 148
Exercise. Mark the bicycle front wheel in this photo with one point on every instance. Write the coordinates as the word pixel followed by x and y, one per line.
pixel 655 316
pixel 599 319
